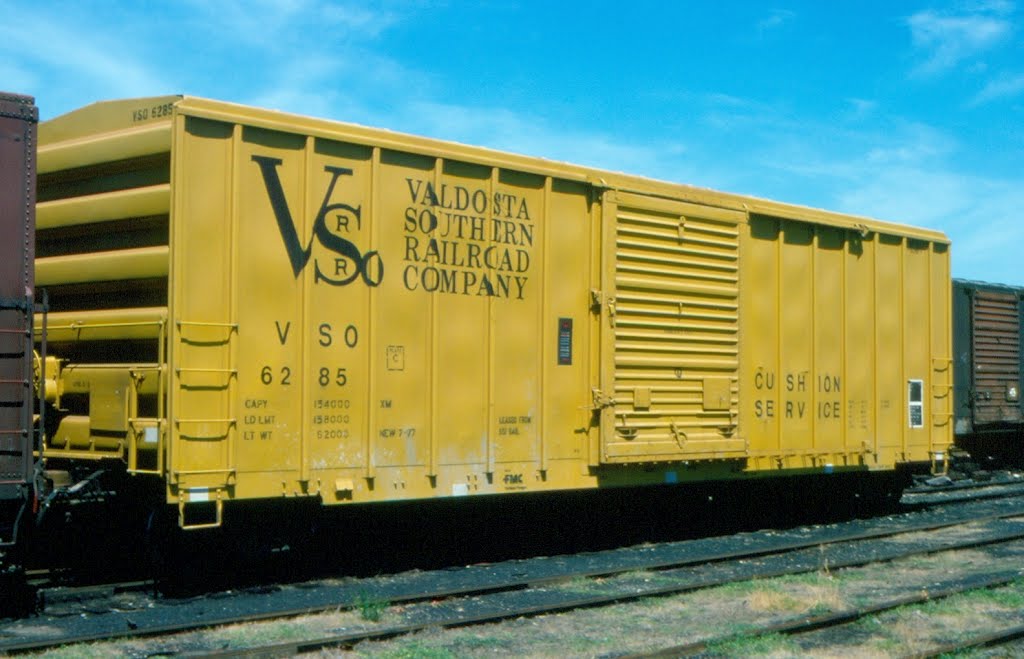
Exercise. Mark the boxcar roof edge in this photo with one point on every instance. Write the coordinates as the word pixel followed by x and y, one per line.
pixel 116 115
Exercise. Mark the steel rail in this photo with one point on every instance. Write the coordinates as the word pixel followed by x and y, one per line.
pixel 989 639
pixel 914 499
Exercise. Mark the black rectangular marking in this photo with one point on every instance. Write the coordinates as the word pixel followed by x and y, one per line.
pixel 565 341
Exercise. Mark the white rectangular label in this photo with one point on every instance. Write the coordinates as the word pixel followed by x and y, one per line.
pixel 915 403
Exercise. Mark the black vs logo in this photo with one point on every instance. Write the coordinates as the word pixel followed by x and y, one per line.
pixel 349 263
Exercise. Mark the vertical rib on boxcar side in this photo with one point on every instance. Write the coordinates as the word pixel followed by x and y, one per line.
pixel 18 118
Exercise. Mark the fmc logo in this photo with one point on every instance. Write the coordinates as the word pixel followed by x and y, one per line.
pixel 350 263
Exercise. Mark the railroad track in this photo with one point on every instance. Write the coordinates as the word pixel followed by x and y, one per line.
pixel 480 594
pixel 834 620
pixel 985 640
pixel 923 495
pixel 538 600
pixel 54 593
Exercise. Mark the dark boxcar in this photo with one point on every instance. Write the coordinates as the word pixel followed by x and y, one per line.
pixel 18 118
pixel 988 330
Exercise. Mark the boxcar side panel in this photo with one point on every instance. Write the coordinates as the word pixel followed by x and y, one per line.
pixel 830 329
pixel 798 374
pixel 386 325
pixel 859 385
pixel 916 337
pixel 837 327
pixel 569 238
pixel 761 414
pixel 888 338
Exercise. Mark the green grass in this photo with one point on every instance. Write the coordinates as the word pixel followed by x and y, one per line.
pixel 1007 597
pixel 455 643
pixel 259 634
pixel 82 651
pixel 753 646
pixel 743 588
pixel 414 650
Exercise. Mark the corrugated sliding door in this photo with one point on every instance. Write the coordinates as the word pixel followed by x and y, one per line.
pixel 996 358
pixel 671 324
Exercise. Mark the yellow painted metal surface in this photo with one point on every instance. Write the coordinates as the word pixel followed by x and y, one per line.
pixel 361 315
pixel 138 263
pixel 372 316
pixel 673 323
pixel 104 324
pixel 104 207
pixel 836 326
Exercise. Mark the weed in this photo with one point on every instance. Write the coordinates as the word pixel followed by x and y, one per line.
pixel 248 635
pixel 824 561
pixel 819 609
pixel 370 608
pixel 772 601
pixel 582 585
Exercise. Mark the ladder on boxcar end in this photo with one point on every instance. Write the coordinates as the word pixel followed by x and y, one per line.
pixel 203 378
pixel 18 440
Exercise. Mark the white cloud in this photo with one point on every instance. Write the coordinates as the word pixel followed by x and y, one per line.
pixel 914 180
pixel 993 6
pixel 946 40
pixel 1002 87
pixel 861 108
pixel 734 114
pixel 98 62
pixel 987 233
pixel 910 143
pixel 908 195
pixel 503 129
pixel 312 57
pixel 285 26
pixel 775 19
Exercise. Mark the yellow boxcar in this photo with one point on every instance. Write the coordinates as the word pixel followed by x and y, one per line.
pixel 251 304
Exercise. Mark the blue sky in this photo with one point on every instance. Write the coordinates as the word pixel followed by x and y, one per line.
pixel 903 111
